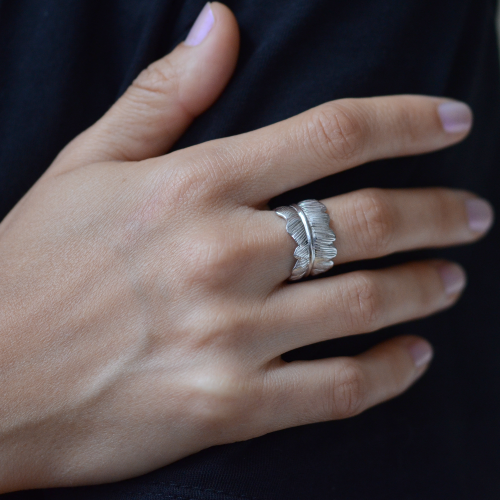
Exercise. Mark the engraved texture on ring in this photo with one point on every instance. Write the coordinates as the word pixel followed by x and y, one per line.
pixel 315 252
pixel 309 234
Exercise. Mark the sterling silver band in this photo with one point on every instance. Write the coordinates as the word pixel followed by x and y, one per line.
pixel 308 224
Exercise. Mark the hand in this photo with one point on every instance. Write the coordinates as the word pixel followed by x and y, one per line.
pixel 144 306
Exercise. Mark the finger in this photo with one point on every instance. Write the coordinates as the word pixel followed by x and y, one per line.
pixel 166 97
pixel 330 389
pixel 372 223
pixel 330 138
pixel 377 222
pixel 359 302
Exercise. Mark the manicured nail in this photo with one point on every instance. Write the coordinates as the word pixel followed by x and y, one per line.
pixel 456 117
pixel 480 215
pixel 421 352
pixel 201 26
pixel 453 276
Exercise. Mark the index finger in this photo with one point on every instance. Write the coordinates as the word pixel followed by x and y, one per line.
pixel 333 137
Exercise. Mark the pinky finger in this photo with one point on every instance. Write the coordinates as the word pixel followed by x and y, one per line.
pixel 336 388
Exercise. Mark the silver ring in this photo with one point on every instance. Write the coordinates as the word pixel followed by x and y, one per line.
pixel 308 224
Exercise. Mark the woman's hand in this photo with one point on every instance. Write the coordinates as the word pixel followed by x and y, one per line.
pixel 143 298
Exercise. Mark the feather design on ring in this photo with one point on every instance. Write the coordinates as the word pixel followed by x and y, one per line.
pixel 323 235
pixel 295 228
pixel 323 238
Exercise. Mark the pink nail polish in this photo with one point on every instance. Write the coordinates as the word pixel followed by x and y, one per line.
pixel 480 215
pixel 421 352
pixel 201 26
pixel 454 278
pixel 456 117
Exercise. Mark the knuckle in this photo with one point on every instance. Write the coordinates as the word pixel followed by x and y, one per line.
pixel 159 78
pixel 335 131
pixel 362 303
pixel 373 220
pixel 162 196
pixel 349 390
pixel 221 325
pixel 220 398
pixel 206 261
pixel 188 183
pixel 229 166
pixel 210 174
pixel 215 257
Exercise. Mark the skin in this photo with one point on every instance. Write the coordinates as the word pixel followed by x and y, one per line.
pixel 144 306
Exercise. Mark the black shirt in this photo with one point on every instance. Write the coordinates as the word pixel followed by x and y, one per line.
pixel 64 62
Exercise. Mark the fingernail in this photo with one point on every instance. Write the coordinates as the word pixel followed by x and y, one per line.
pixel 421 352
pixel 201 26
pixel 454 278
pixel 456 117
pixel 480 214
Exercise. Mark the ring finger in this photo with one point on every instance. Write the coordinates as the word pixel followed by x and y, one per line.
pixel 372 223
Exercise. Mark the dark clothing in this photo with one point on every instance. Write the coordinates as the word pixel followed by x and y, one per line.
pixel 64 62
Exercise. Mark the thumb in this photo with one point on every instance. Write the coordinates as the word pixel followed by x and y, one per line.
pixel 166 97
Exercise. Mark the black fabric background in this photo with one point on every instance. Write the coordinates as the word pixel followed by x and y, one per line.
pixel 64 62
